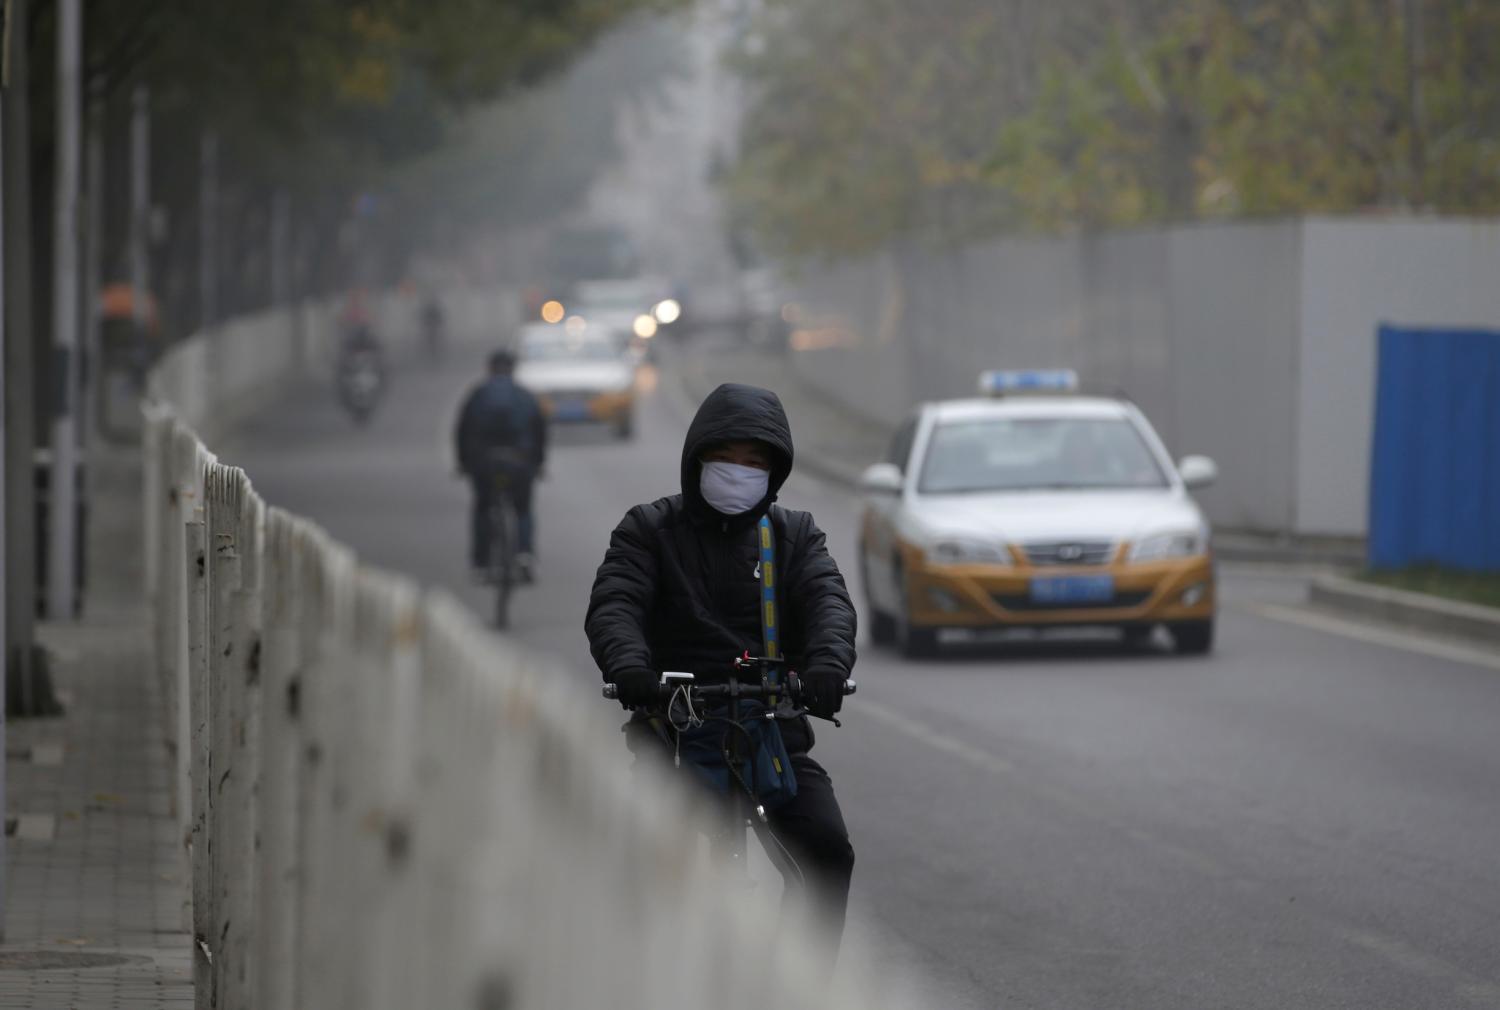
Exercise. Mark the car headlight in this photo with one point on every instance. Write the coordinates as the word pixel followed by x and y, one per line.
pixel 667 311
pixel 1169 545
pixel 969 552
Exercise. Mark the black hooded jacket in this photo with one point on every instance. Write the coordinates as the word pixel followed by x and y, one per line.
pixel 499 414
pixel 679 589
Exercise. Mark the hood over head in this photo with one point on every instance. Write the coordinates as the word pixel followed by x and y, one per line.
pixel 733 413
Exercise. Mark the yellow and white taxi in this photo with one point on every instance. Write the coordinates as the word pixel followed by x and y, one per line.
pixel 1034 507
pixel 578 373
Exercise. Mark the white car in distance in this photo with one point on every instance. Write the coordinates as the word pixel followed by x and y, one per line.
pixel 578 374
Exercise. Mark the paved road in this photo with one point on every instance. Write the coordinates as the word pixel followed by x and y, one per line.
pixel 1308 818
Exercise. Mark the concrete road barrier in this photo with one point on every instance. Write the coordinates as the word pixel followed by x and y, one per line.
pixel 383 804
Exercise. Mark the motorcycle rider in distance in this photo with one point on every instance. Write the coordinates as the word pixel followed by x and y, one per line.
pixel 357 327
pixel 360 370
pixel 501 428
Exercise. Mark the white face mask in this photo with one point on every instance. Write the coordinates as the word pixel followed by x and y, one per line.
pixel 730 488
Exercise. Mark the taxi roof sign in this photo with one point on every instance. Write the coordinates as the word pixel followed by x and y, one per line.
pixel 1043 380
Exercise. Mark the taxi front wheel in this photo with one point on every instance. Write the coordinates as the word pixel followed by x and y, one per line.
pixel 914 642
pixel 882 625
pixel 1193 638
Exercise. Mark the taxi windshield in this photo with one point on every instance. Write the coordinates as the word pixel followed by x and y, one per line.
pixel 610 298
pixel 561 347
pixel 1038 454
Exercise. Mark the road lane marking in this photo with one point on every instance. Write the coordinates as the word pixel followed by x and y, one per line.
pixel 1375 635
pixel 36 827
pixel 967 753
pixel 447 425
pixel 1418 962
pixel 982 759
pixel 47 755
pixel 1401 955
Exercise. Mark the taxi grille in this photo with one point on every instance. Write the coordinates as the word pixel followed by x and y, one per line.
pixel 1070 552
pixel 1120 601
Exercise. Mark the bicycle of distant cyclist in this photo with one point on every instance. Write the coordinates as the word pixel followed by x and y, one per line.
pixel 504 544
pixel 766 690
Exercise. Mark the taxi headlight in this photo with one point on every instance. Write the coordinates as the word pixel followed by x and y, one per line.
pixel 1168 545
pixel 969 552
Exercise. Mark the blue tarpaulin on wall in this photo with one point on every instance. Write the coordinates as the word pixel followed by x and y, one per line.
pixel 1435 471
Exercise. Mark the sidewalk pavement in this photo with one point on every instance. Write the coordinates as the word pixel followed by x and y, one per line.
pixel 95 895
pixel 837 444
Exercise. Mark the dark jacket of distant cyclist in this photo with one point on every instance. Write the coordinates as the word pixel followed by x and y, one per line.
pixel 679 589
pixel 500 415
pixel 500 429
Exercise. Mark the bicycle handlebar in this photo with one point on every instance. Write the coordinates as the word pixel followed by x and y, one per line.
pixel 732 689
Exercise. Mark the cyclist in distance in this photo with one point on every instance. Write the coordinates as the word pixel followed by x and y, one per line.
pixel 679 589
pixel 501 430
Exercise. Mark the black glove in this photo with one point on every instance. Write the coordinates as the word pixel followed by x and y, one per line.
pixel 637 688
pixel 822 692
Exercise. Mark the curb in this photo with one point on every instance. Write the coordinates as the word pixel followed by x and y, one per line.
pixel 1417 611
pixel 1229 546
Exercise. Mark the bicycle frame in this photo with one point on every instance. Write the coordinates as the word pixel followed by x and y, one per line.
pixel 743 812
pixel 502 550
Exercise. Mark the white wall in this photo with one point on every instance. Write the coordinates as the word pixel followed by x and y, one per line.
pixel 1197 325
pixel 1252 342
pixel 1356 275
pixel 1230 372
pixel 848 353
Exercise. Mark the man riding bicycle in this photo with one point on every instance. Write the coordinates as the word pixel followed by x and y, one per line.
pixel 680 589
pixel 502 432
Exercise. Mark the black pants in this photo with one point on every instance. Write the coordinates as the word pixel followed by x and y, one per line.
pixel 810 825
pixel 519 489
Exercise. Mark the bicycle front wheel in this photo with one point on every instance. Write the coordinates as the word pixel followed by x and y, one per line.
pixel 503 561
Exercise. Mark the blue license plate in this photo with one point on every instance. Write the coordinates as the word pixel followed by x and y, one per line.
pixel 572 410
pixel 1073 589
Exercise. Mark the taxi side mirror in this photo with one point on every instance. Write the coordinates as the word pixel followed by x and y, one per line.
pixel 882 478
pixel 1198 471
